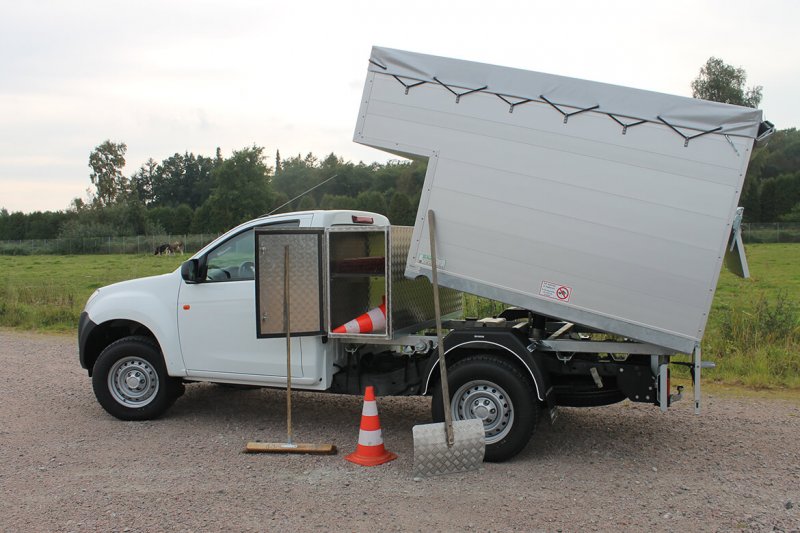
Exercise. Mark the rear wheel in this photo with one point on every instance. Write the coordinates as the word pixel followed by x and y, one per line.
pixel 489 388
pixel 131 382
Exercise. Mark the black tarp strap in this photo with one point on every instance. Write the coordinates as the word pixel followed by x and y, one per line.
pixel 625 126
pixel 409 86
pixel 564 113
pixel 512 105
pixel 508 99
pixel 687 138
pixel 458 95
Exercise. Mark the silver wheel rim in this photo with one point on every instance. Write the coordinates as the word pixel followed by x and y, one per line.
pixel 133 382
pixel 488 402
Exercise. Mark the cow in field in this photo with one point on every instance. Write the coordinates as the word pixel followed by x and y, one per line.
pixel 164 249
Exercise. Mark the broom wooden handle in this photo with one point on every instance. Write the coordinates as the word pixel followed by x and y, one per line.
pixel 448 415
pixel 286 319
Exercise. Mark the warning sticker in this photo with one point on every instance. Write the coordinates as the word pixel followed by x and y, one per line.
pixel 562 293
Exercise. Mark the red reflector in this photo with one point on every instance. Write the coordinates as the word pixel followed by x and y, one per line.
pixel 362 220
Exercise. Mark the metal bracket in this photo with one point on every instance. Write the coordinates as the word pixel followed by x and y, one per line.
pixel 625 126
pixel 565 358
pixel 458 95
pixel 408 85
pixel 565 114
pixel 512 105
pixel 728 138
pixel 687 138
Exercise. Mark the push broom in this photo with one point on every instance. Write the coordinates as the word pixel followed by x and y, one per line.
pixel 289 446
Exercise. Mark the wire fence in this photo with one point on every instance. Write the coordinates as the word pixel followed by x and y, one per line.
pixel 771 232
pixel 141 244
pixel 777 232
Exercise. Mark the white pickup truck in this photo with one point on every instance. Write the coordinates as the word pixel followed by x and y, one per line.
pixel 602 214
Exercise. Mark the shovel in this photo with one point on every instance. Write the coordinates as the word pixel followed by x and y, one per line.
pixel 449 447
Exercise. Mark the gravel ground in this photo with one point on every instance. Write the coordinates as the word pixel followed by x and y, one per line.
pixel 65 465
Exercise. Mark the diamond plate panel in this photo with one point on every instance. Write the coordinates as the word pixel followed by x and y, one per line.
pixel 305 282
pixel 432 456
pixel 412 299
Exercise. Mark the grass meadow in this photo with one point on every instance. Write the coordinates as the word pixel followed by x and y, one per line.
pixel 753 332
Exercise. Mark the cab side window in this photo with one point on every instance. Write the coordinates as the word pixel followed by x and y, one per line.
pixel 234 259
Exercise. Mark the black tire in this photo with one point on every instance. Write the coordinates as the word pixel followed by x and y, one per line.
pixel 131 382
pixel 489 387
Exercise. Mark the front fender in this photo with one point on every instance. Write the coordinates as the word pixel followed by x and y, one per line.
pixel 151 302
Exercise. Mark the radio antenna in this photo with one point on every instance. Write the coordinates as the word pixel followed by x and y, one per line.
pixel 301 195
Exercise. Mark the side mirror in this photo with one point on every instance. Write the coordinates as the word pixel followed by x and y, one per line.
pixel 190 270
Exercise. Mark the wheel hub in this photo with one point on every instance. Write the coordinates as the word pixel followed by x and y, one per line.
pixel 488 402
pixel 133 382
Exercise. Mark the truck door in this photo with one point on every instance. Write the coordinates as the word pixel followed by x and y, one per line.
pixel 217 318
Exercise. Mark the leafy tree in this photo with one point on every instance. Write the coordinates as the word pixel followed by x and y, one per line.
pixel 793 215
pixel 721 82
pixel 751 199
pixel 371 201
pixel 106 162
pixel 297 175
pixel 241 189
pixel 779 195
pixel 333 201
pixel 306 203
pixel 142 181
pixel 280 201
pixel 401 212
pixel 184 179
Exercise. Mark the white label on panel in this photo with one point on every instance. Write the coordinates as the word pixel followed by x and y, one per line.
pixel 425 259
pixel 562 293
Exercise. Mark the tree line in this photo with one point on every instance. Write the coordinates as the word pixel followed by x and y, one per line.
pixel 771 191
pixel 188 193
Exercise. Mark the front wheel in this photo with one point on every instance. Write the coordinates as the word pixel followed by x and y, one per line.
pixel 491 389
pixel 131 382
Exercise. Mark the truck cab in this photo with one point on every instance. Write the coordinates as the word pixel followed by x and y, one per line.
pixel 140 339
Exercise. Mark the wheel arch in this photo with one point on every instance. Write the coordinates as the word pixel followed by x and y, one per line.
pixel 99 336
pixel 508 344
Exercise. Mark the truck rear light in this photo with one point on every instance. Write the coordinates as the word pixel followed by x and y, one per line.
pixel 362 220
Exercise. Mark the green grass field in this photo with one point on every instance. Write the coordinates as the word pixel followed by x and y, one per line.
pixel 48 292
pixel 753 333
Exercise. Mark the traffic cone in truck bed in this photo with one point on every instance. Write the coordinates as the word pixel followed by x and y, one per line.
pixel 373 320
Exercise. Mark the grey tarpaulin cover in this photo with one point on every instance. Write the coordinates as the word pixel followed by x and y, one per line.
pixel 683 112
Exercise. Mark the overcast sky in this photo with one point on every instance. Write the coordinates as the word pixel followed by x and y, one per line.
pixel 173 76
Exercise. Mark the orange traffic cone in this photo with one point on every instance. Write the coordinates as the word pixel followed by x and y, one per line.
pixel 372 320
pixel 370 450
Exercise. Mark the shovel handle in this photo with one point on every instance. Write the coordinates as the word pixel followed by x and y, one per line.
pixel 448 415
